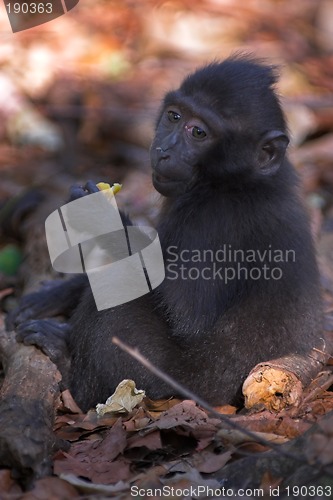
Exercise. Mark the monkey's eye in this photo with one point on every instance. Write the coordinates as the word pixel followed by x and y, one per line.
pixel 197 132
pixel 173 116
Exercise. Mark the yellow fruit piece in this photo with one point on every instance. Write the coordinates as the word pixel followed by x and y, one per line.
pixel 104 185
pixel 116 187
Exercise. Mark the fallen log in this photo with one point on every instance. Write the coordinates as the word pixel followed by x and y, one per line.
pixel 27 408
pixel 279 383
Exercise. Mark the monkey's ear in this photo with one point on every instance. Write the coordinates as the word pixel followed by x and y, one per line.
pixel 271 152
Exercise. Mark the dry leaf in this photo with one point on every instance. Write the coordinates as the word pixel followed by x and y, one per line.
pixel 208 461
pixel 69 403
pixel 236 437
pixel 124 399
pixel 98 460
pixel 188 416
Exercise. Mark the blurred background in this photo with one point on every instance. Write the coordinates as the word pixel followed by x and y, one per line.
pixel 79 96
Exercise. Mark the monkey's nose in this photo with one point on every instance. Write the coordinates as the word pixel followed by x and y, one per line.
pixel 162 154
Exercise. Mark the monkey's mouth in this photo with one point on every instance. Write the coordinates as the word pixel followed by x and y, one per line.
pixel 162 179
pixel 167 186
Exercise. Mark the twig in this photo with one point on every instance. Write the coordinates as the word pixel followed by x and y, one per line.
pixel 179 388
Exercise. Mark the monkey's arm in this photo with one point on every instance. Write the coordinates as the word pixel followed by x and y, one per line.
pixel 53 299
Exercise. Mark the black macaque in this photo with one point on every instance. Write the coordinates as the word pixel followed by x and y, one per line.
pixel 241 282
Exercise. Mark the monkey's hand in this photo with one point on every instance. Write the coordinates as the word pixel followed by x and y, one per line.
pixel 51 337
pixel 76 192
pixel 90 187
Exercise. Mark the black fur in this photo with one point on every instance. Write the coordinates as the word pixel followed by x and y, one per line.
pixel 232 189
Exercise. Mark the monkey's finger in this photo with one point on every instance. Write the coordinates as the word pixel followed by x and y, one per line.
pixel 91 187
pixel 76 192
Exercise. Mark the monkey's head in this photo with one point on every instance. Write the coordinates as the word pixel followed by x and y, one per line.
pixel 223 126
